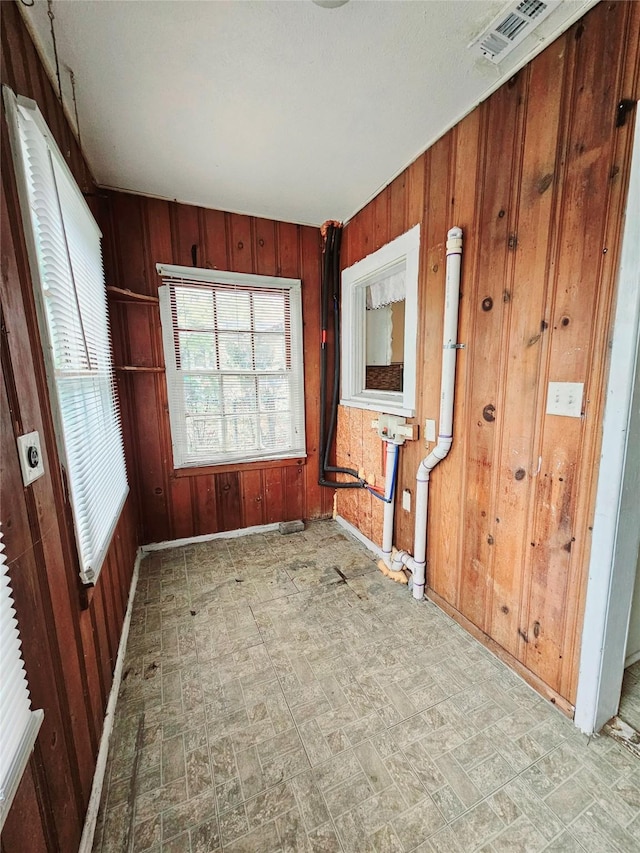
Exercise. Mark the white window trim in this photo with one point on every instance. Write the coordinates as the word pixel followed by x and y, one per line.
pixel 169 272
pixel 19 725
pixel 90 564
pixel 404 249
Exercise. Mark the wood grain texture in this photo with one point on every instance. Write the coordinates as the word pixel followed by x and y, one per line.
pixel 68 639
pixel 536 176
pixel 194 502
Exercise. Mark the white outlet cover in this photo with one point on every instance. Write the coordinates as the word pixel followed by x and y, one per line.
pixel 430 430
pixel 406 500
pixel 565 398
pixel 30 455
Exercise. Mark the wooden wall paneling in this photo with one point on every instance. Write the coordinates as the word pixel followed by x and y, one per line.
pixel 265 247
pixel 109 651
pixel 380 220
pixel 486 358
pixel 140 321
pixel 437 220
pixel 241 244
pixel 150 456
pixel 102 632
pixel 114 586
pixel 398 206
pixel 273 494
pixel 179 506
pixel 629 86
pixel 185 234
pixel 447 541
pixel 540 183
pixel 214 224
pixel 293 492
pixel 288 254
pixel 415 191
pixel 158 499
pixel 43 675
pixel 228 501
pixel 373 458
pixel 363 440
pixel 205 507
pixel 95 696
pixel 102 652
pixel 525 283
pixel 412 452
pixel 127 224
pixel 310 274
pixel 24 828
pixel 578 267
pixel 358 236
pixel 252 492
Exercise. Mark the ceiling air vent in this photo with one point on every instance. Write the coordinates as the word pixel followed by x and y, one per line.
pixel 511 27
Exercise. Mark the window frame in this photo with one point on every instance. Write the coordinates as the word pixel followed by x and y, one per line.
pixel 404 250
pixel 99 373
pixel 183 461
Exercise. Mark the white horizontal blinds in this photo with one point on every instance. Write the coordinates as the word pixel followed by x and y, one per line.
pixel 18 724
pixel 70 273
pixel 234 370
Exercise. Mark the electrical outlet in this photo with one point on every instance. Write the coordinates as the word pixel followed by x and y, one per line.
pixel 30 455
pixel 565 398
pixel 406 500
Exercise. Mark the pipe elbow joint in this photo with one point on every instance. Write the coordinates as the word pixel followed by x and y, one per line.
pixel 443 447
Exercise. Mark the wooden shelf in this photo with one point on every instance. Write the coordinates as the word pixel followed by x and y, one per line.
pixel 131 369
pixel 119 294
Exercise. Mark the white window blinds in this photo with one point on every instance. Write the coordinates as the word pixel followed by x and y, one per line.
pixel 66 262
pixel 234 366
pixel 19 725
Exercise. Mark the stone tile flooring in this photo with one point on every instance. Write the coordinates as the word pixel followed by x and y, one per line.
pixel 630 699
pixel 279 694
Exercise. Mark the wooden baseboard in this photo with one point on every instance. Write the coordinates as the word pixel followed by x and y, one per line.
pixel 513 663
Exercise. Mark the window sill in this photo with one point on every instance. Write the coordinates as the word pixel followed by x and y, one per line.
pixel 375 404
pixel 222 468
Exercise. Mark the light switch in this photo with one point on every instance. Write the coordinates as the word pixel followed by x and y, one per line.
pixel 30 455
pixel 565 398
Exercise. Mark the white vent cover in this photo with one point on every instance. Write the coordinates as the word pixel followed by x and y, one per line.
pixel 511 27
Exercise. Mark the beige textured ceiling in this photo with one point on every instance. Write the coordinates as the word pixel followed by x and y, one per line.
pixel 278 109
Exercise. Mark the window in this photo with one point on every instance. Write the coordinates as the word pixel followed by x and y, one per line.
pixel 66 267
pixel 19 725
pixel 379 323
pixel 233 354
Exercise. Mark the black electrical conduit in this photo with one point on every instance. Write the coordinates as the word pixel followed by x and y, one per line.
pixel 330 290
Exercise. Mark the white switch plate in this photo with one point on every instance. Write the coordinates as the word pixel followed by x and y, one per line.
pixel 30 455
pixel 406 500
pixel 430 430
pixel 565 398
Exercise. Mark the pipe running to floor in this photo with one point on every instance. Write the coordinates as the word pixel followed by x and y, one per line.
pixel 418 562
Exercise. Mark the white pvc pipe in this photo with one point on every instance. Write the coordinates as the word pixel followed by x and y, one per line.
pixel 417 563
pixel 389 508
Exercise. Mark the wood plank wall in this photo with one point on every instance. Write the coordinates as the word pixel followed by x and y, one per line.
pixel 536 176
pixel 69 643
pixel 196 501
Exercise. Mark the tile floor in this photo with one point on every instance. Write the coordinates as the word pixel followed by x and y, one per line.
pixel 279 694
pixel 630 699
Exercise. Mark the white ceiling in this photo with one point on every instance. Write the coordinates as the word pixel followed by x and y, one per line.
pixel 278 109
